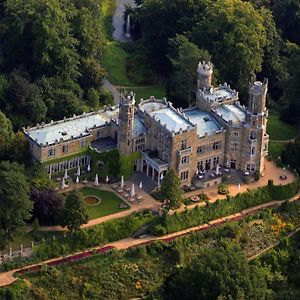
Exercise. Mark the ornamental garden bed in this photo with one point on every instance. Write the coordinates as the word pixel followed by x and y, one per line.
pixel 99 203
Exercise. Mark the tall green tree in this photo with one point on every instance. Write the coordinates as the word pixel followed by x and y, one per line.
pixel 6 134
pixel 291 87
pixel 234 34
pixel 74 214
pixel 38 36
pixel 184 57
pixel 15 205
pixel 222 273
pixel 170 189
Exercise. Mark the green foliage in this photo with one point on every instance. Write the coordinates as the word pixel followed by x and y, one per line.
pixel 291 155
pixel 227 25
pixel 279 130
pixel 74 214
pixel 5 133
pixel 15 205
pixel 126 164
pixel 170 189
pixel 226 269
pixel 228 206
pixel 184 57
pixel 94 236
pixel 283 192
pixel 111 163
pixel 223 189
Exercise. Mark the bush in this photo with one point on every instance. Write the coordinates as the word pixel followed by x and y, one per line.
pixel 94 236
pixel 223 189
pixel 230 205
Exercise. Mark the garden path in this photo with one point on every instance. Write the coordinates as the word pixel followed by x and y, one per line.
pixel 271 172
pixel 8 278
pixel 148 202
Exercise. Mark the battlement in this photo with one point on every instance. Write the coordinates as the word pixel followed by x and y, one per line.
pixel 258 87
pixel 205 68
pixel 127 98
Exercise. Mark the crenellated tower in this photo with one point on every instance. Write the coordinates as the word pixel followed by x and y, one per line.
pixel 126 123
pixel 204 75
pixel 256 137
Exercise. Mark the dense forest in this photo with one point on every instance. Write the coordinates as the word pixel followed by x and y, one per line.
pixel 49 59
pixel 242 38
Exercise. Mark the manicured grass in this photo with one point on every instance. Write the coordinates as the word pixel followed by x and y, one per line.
pixel 275 150
pixel 279 130
pixel 110 203
pixel 158 91
pixel 114 61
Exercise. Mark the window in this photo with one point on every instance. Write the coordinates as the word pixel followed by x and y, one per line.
pixel 250 167
pixel 252 134
pixel 215 161
pixel 139 147
pixel 253 151
pixel 200 149
pixel 140 141
pixel 253 123
pixel 234 146
pixel 65 148
pixel 235 134
pixel 208 164
pixel 83 143
pixel 184 175
pixel 51 152
pixel 200 165
pixel 185 159
pixel 216 145
pixel 184 144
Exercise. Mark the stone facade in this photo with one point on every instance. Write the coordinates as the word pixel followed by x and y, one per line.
pixel 218 131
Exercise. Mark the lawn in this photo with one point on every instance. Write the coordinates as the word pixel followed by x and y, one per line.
pixel 279 130
pixel 275 150
pixel 110 203
pixel 158 91
pixel 114 61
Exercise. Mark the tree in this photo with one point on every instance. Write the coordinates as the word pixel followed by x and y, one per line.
pixel 15 205
pixel 234 34
pixel 222 273
pixel 291 155
pixel 74 214
pixel 19 149
pixel 290 98
pixel 93 98
pixel 170 189
pixel 6 134
pixel 46 205
pixel 24 104
pixel 184 57
pixel 38 35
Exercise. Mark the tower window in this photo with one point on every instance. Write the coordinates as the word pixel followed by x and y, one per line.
pixel 184 144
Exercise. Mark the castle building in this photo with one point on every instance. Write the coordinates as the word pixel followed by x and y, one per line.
pixel 201 143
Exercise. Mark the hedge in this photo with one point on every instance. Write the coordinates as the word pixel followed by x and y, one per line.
pixel 222 208
pixel 94 236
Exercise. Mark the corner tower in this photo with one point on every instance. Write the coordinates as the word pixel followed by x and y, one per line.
pixel 257 97
pixel 256 138
pixel 204 75
pixel 126 123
